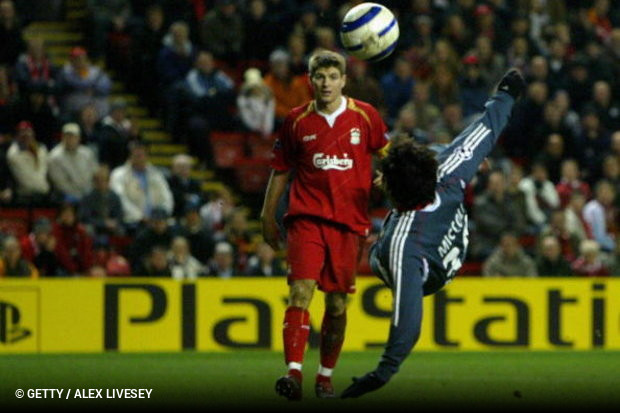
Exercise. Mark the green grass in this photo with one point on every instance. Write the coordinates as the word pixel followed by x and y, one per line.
pixel 512 380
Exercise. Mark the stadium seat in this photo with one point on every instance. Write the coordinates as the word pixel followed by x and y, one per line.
pixel 252 175
pixel 217 137
pixel 260 148
pixel 227 155
pixel 14 221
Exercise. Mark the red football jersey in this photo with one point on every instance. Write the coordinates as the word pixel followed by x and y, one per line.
pixel 332 159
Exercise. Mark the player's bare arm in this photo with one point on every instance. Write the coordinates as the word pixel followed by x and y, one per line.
pixel 275 188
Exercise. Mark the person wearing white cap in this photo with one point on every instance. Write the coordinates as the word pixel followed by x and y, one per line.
pixel 256 103
pixel 72 165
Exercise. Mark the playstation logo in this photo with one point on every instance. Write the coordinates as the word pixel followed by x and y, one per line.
pixel 10 329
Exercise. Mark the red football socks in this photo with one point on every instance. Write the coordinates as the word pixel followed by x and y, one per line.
pixel 332 337
pixel 296 331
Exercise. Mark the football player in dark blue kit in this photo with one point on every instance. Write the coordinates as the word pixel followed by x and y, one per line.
pixel 424 238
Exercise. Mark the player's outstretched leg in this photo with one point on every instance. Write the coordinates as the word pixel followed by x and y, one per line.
pixel 295 333
pixel 332 338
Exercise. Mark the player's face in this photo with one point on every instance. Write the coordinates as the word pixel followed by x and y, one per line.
pixel 328 83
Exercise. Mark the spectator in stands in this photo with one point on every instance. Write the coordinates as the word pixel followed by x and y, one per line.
pixel 570 182
pixel 517 197
pixel 140 186
pixel 552 156
pixel 221 31
pixel 553 122
pixel 222 265
pixel 457 33
pixel 176 57
pixel 406 124
pixel 256 104
pixel 6 180
pixel 74 247
pixel 157 233
pixel 90 128
pixel 116 133
pixel 550 262
pixel 361 85
pixel 237 234
pixel 397 85
pixel 473 87
pixel 101 210
pixel 444 86
pixel 578 83
pixel 193 228
pixel 41 110
pixel 600 215
pixel 289 91
pixel 298 56
pixel 155 264
pixel 35 71
pixel 183 265
pixel 27 160
pixel 185 189
pixel 146 42
pixel 11 262
pixel 540 195
pixel 215 212
pixel 492 64
pixel 10 34
pixel 427 114
pixel 593 143
pixel 107 261
pixel 103 16
pixel 611 174
pixel 201 103
pixel 494 214
pixel 71 165
pixel 608 110
pixel 568 237
pixel 590 262
pixel 509 260
pixel 450 124
pixel 83 83
pixel 39 248
pixel 260 38
pixel 265 263
pixel 9 96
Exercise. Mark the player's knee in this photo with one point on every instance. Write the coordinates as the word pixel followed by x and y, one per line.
pixel 335 304
pixel 300 296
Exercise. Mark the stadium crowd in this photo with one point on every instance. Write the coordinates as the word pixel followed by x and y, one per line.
pixel 547 203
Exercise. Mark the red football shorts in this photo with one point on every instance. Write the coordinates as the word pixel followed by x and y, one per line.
pixel 325 252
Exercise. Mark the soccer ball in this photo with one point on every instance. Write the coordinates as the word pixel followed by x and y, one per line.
pixel 369 31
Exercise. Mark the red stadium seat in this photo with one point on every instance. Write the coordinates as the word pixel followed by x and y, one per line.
pixel 252 175
pixel 226 155
pixel 217 137
pixel 260 148
pixel 14 221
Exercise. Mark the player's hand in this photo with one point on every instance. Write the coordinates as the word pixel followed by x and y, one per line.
pixel 362 385
pixel 512 83
pixel 271 233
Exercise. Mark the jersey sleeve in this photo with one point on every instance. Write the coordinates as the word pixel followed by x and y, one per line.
pixel 283 151
pixel 463 156
pixel 378 131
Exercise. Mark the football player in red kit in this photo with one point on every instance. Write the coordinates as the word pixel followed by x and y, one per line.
pixel 326 148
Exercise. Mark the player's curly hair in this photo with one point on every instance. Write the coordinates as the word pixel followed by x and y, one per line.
pixel 409 173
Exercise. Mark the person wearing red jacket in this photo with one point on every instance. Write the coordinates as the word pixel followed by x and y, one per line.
pixel 74 247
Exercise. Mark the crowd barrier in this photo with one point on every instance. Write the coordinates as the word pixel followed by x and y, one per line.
pixel 155 315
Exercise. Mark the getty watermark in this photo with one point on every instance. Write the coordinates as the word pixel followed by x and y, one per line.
pixel 84 393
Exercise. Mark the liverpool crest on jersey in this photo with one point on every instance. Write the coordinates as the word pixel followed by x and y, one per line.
pixel 355 136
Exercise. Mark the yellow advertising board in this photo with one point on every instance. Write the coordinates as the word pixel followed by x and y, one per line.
pixel 151 315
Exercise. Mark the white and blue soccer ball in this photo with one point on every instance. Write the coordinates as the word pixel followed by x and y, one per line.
pixel 369 31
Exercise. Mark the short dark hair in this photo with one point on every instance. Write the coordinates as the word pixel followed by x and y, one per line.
pixel 326 58
pixel 409 173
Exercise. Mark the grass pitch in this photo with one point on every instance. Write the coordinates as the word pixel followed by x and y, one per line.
pixel 245 381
